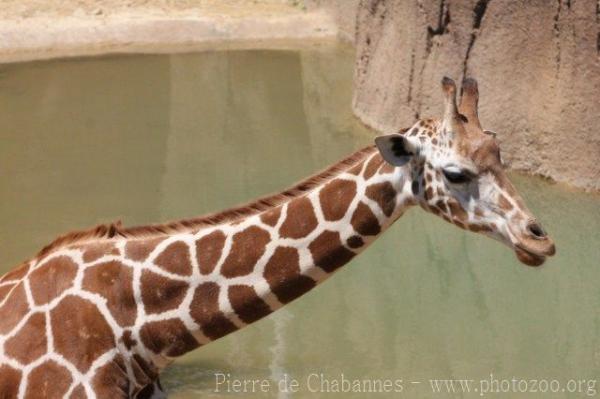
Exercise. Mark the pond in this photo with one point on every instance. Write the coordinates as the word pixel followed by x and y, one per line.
pixel 150 138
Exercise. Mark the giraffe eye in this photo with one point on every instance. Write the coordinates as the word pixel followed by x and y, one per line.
pixel 456 176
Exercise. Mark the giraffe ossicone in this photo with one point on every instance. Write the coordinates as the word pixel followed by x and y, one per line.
pixel 100 313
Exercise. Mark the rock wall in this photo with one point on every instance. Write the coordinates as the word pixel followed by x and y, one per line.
pixel 537 63
pixel 344 12
pixel 43 29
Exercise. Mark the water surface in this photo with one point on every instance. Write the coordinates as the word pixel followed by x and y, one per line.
pixel 153 138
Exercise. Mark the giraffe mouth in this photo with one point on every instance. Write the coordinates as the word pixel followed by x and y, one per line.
pixel 534 251
pixel 535 255
pixel 529 258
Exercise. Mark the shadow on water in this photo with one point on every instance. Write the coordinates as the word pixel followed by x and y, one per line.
pixel 152 138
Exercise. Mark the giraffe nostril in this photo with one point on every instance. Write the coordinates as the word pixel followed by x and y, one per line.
pixel 536 230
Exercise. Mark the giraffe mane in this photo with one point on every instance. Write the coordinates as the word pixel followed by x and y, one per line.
pixel 115 229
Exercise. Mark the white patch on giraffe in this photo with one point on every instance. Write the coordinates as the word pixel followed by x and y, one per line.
pixel 313 197
pixel 263 290
pixel 229 232
pixel 227 309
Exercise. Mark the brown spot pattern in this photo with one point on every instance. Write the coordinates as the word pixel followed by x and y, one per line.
pixel 5 289
pixel 205 311
pixel 48 380
pixel 477 228
pixel 457 211
pixel 94 252
pixel 146 392
pixel 385 196
pixel 78 393
pixel 128 340
pixel 114 281
pixel 271 217
pixel 10 379
pixel 139 249
pixel 504 203
pixel 300 219
pixel 248 246
pixel 355 242
pixel 442 206
pixel 111 381
pixel 30 341
pixel 143 371
pixel 336 197
pixel 355 170
pixel 429 193
pixel 328 252
pixel 175 258
pixel 282 272
pixel 49 280
pixel 208 250
pixel 386 168
pixel 17 273
pixel 14 309
pixel 364 221
pixel 159 293
pixel 372 167
pixel 81 334
pixel 170 337
pixel 459 223
pixel 247 305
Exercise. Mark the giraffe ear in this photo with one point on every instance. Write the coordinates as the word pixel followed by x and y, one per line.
pixel 395 149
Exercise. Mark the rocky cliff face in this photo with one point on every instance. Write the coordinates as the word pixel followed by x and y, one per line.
pixel 537 63
pixel 344 12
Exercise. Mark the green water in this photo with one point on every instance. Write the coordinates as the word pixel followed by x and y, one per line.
pixel 152 138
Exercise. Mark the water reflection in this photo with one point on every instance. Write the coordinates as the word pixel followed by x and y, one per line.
pixel 150 138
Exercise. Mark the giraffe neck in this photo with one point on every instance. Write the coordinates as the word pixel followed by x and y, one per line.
pixel 222 278
pixel 109 308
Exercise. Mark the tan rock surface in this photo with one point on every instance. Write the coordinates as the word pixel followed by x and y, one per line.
pixel 37 29
pixel 537 63
pixel 344 13
pixel 24 9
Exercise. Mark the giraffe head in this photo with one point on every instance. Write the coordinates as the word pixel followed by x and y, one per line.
pixel 456 172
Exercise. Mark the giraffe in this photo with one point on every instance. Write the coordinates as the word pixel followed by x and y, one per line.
pixel 100 313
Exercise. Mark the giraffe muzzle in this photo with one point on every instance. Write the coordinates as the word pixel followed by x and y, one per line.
pixel 534 246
